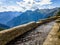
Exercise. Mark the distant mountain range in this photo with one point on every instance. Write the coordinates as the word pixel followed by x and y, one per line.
pixel 7 16
pixel 12 19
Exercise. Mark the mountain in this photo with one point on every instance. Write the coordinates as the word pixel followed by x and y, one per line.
pixel 11 19
pixel 3 26
pixel 25 18
pixel 7 16
pixel 52 12
pixel 29 16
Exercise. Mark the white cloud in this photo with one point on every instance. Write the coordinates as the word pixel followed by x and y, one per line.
pixel 45 2
pixel 31 4
pixel 10 8
pixel 25 5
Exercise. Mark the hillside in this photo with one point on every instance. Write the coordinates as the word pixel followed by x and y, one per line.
pixel 3 26
pixel 29 16
pixel 12 19
pixel 7 16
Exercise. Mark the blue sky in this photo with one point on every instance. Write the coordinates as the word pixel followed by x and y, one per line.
pixel 23 5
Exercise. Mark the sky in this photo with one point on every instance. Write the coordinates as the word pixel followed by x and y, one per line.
pixel 23 5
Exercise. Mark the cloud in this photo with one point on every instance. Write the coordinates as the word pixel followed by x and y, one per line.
pixel 25 5
pixel 45 2
pixel 11 8
pixel 32 4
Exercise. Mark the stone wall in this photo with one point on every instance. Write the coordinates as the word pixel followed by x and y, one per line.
pixel 43 21
pixel 9 34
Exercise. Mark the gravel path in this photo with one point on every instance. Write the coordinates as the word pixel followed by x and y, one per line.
pixel 33 37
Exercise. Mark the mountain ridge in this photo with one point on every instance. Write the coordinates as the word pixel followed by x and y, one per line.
pixel 29 16
pixel 12 19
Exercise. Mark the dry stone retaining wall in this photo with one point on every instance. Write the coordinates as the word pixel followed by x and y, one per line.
pixel 9 34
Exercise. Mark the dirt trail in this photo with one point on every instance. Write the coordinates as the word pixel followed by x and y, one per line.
pixel 33 37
